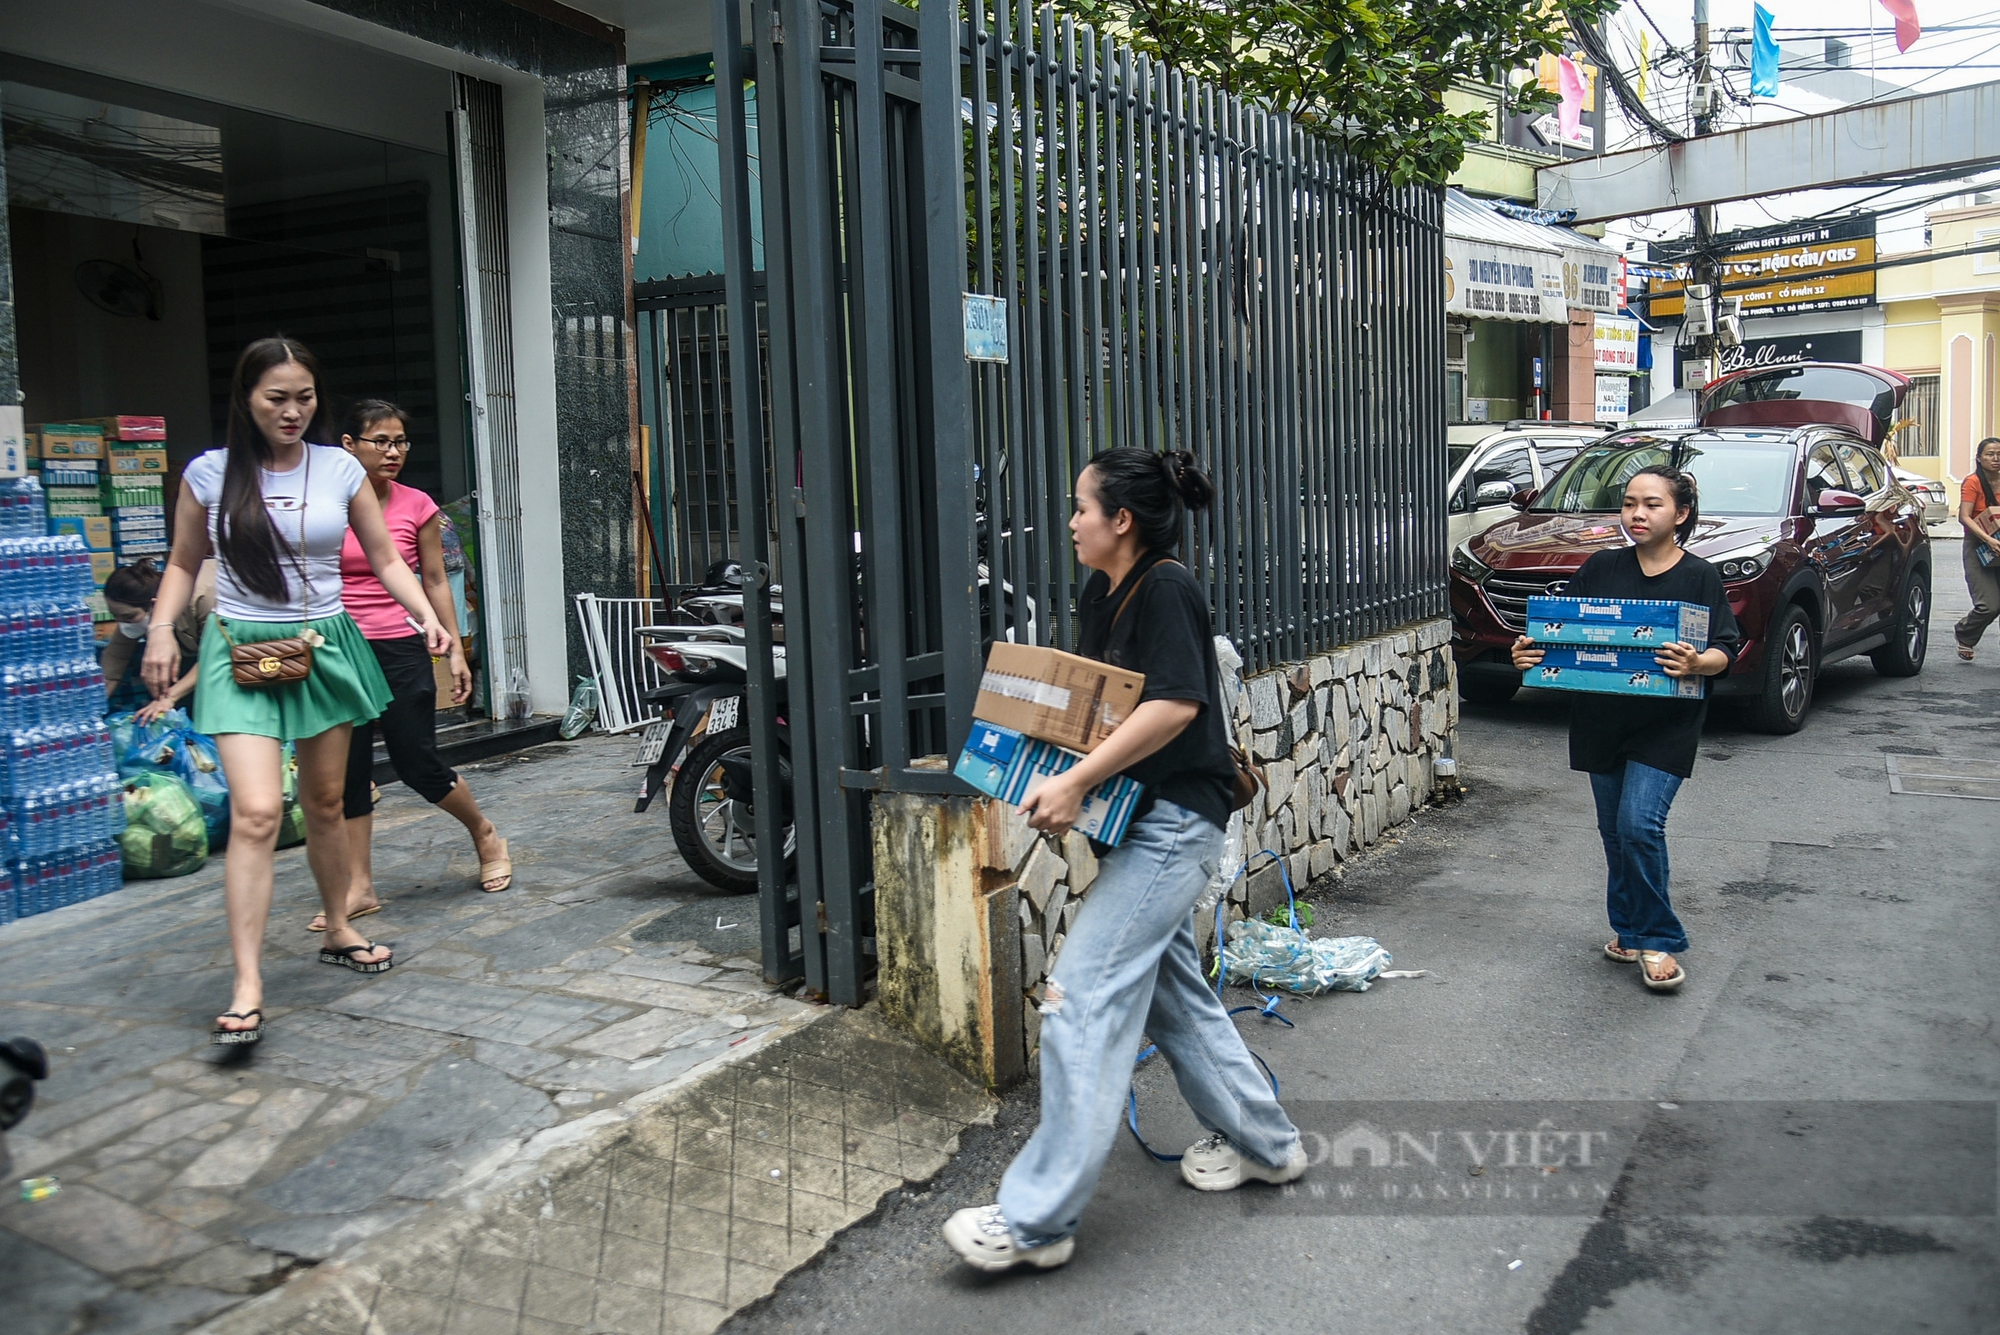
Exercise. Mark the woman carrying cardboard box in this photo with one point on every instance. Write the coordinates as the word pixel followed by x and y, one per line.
pixel 1130 964
pixel 1638 750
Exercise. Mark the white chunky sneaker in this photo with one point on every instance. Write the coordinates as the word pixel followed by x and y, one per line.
pixel 981 1239
pixel 1213 1164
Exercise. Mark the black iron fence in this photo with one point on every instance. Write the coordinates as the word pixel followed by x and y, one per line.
pixel 1187 271
pixel 1176 269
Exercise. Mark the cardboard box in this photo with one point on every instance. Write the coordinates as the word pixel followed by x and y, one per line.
pixel 68 440
pixel 121 462
pixel 1631 623
pixel 95 530
pixel 1644 681
pixel 1055 697
pixel 101 566
pixel 128 428
pixel 1004 763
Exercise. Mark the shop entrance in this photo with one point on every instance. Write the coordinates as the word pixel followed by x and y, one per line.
pixel 155 234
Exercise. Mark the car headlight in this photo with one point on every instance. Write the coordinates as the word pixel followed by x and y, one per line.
pixel 1468 565
pixel 1744 563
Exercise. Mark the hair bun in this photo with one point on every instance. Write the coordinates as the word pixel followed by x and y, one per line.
pixel 1196 491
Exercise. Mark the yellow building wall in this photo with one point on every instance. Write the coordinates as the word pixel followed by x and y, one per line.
pixel 1942 318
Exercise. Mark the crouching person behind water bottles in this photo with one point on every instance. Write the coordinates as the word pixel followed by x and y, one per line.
pixel 1130 965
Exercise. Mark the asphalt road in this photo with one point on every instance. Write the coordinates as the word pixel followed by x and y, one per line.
pixel 1800 1162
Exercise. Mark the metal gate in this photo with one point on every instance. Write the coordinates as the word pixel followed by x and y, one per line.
pixel 1178 269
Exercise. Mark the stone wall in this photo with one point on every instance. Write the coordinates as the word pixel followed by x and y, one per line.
pixel 1348 741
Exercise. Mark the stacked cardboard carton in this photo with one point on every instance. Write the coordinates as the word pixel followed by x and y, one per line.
pixel 1608 645
pixel 1038 712
pixel 134 486
pixel 70 458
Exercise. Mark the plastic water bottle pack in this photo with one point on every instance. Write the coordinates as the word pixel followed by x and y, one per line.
pixel 1268 956
pixel 61 800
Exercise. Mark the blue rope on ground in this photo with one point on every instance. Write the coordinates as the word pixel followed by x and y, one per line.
pixel 1269 1010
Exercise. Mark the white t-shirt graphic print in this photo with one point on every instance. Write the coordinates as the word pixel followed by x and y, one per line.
pixel 335 478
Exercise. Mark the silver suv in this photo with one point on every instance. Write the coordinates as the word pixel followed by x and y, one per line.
pixel 1490 470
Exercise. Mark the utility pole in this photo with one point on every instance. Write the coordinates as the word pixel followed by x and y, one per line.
pixel 1706 270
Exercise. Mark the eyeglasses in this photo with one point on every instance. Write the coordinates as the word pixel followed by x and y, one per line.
pixel 401 444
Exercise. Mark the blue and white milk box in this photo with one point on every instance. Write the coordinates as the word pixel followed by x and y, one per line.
pixel 1631 623
pixel 1651 679
pixel 1003 763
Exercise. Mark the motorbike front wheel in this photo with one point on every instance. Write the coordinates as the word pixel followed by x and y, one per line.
pixel 716 833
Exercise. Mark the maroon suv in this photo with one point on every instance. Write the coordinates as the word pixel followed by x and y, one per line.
pixel 1822 552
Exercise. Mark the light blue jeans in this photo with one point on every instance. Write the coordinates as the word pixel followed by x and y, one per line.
pixel 1130 967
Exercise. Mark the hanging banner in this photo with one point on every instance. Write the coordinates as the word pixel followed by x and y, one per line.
pixel 1488 281
pixel 1825 268
pixel 1616 344
pixel 1590 279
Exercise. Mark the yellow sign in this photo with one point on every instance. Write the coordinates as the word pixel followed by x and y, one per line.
pixel 1815 273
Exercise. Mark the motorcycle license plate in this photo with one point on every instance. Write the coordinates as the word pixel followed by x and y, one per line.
pixel 654 744
pixel 722 714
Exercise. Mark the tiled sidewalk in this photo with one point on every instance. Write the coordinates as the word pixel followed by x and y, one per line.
pixel 191 1180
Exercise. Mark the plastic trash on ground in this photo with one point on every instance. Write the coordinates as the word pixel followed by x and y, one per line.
pixel 170 745
pixel 1269 956
pixel 582 711
pixel 164 832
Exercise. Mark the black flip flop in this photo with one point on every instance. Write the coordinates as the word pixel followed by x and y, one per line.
pixel 231 1037
pixel 344 957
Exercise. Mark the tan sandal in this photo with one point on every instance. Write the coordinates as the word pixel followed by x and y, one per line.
pixel 1614 951
pixel 318 923
pixel 1671 983
pixel 1964 654
pixel 501 869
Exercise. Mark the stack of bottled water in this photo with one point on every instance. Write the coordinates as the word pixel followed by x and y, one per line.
pixel 61 802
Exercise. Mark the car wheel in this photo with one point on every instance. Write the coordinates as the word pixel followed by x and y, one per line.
pixel 1903 655
pixel 1788 674
pixel 1487 688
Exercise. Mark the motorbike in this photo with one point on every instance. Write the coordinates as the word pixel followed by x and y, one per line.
pixel 700 743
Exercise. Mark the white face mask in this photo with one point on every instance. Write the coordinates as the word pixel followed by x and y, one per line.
pixel 132 630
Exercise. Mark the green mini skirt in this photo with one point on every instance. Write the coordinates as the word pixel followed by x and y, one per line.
pixel 344 686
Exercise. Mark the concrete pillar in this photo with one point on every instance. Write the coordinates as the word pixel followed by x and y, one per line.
pixel 947 929
pixel 1969 346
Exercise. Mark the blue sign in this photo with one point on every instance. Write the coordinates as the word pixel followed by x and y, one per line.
pixel 985 328
pixel 1538 373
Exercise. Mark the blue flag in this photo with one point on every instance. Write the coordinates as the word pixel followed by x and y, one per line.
pixel 1763 57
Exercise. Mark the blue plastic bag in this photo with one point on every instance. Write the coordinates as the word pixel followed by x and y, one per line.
pixel 170 745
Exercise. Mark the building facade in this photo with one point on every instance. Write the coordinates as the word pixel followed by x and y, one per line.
pixel 1942 328
pixel 432 197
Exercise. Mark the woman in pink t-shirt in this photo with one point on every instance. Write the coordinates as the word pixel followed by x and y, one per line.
pixel 378 436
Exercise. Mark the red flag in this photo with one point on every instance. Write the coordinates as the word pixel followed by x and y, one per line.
pixel 1908 29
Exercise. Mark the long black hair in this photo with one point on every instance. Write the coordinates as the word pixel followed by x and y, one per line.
pixel 1156 487
pixel 244 537
pixel 1687 496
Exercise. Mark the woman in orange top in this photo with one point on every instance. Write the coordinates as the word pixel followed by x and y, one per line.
pixel 1979 512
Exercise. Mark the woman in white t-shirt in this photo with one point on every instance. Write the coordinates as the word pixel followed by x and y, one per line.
pixel 274 510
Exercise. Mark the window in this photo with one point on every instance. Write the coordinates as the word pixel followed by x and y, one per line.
pixel 1509 465
pixel 1822 473
pixel 1863 469
pixel 1554 454
pixel 1736 477
pixel 1919 440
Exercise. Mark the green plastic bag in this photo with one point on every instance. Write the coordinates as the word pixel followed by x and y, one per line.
pixel 292 824
pixel 165 834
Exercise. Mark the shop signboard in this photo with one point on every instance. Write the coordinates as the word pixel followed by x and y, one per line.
pixel 1540 131
pixel 1590 278
pixel 1614 398
pixel 1820 268
pixel 1485 280
pixel 1617 344
pixel 1753 353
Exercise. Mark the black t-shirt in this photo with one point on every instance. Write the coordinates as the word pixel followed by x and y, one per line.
pixel 1607 730
pixel 1165 634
